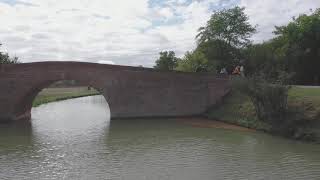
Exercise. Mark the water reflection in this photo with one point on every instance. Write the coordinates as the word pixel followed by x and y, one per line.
pixel 15 137
pixel 72 118
pixel 166 149
pixel 75 139
pixel 57 137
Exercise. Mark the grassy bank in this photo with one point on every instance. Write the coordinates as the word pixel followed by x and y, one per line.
pixel 308 96
pixel 58 94
pixel 237 108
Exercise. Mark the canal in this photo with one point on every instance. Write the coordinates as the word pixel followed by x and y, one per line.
pixel 75 139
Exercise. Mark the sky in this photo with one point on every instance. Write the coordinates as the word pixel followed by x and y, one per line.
pixel 124 32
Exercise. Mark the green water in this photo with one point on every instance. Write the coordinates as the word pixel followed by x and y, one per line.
pixel 74 139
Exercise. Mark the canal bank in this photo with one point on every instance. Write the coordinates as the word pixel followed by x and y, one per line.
pixel 62 93
pixel 237 108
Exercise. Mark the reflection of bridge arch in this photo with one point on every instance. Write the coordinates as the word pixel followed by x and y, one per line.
pixel 129 91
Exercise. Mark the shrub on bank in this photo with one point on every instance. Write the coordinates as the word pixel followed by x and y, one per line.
pixel 236 108
pixel 270 102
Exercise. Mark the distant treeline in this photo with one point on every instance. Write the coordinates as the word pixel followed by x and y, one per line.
pixel 225 43
pixel 65 83
pixel 6 59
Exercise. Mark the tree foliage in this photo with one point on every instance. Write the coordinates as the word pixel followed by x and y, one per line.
pixel 263 59
pixel 194 62
pixel 295 50
pixel 225 34
pixel 300 47
pixel 167 61
pixel 271 106
pixel 269 99
pixel 224 42
pixel 229 25
pixel 219 54
pixel 6 59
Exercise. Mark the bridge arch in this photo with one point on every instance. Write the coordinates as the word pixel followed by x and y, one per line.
pixel 25 104
pixel 131 92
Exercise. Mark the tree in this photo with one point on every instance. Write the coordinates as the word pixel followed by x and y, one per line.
pixel 263 58
pixel 194 62
pixel 230 26
pixel 300 44
pixel 167 61
pixel 224 35
pixel 219 54
pixel 6 59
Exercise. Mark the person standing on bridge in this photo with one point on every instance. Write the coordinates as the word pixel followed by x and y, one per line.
pixel 242 71
pixel 236 71
pixel 223 71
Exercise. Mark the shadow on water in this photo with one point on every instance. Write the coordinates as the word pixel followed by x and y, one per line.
pixel 16 137
pixel 143 146
pixel 157 131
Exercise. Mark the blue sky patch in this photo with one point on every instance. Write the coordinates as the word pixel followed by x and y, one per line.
pixel 164 3
pixel 15 2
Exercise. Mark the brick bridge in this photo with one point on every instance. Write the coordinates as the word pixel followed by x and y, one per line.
pixel 129 91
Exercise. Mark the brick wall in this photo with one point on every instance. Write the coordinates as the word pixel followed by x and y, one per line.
pixel 129 91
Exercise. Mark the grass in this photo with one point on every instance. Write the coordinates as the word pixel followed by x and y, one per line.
pixel 309 98
pixel 57 94
pixel 238 109
pixel 306 96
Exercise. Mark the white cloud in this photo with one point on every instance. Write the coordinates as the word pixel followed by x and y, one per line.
pixel 166 12
pixel 124 32
pixel 74 29
pixel 267 14
pixel 106 62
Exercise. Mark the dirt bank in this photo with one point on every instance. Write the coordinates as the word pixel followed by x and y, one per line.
pixel 206 123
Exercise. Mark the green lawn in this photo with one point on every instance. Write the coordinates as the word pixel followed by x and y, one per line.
pixel 237 108
pixel 57 94
pixel 307 95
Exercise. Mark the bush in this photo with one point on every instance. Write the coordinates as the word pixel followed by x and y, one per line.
pixel 236 108
pixel 270 101
pixel 298 123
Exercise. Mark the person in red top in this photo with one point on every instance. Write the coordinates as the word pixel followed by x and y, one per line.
pixel 236 71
